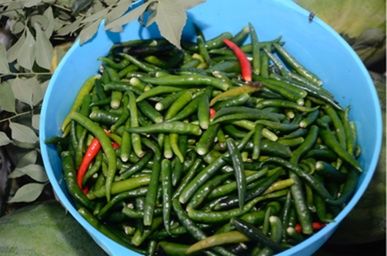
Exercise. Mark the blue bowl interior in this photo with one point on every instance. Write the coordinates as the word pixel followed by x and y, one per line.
pixel 314 44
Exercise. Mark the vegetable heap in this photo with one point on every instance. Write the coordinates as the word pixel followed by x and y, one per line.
pixel 220 147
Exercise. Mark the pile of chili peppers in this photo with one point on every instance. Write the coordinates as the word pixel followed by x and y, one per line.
pixel 221 148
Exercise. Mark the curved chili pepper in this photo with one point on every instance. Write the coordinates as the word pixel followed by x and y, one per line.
pixel 244 62
pixel 91 152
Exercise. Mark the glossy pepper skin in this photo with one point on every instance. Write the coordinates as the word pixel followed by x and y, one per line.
pixel 242 58
pixel 91 153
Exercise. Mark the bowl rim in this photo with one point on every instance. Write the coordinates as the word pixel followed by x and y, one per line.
pixel 329 228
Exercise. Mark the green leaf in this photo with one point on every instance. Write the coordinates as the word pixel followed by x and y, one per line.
pixel 119 10
pixel 27 193
pixel 17 27
pixel 51 22
pixel 96 16
pixel 35 121
pixel 4 68
pixel 69 28
pixel 26 54
pixel 37 93
pixel 4 140
pixel 28 158
pixel 80 5
pixel 43 49
pixel 7 97
pixel 188 4
pixel 131 15
pixel 34 171
pixel 170 19
pixel 13 52
pixel 58 24
pixel 31 3
pixel 27 90
pixel 14 5
pixel 40 20
pixel 23 133
pixel 23 89
pixel 89 31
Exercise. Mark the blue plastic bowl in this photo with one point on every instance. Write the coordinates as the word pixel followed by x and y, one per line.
pixel 315 44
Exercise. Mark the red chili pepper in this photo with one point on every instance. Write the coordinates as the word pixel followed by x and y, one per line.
pixel 212 113
pixel 317 225
pixel 115 145
pixel 298 228
pixel 85 190
pixel 91 152
pixel 243 61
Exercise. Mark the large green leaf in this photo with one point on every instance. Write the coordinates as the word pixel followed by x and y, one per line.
pixel 7 97
pixel 170 19
pixel 27 193
pixel 23 89
pixel 44 229
pixel 51 22
pixel 34 171
pixel 131 15
pixel 26 53
pixel 43 48
pixel 4 140
pixel 89 31
pixel 95 16
pixel 119 10
pixel 13 52
pixel 23 133
pixel 28 158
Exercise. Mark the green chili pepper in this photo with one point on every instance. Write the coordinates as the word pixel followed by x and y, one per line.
pixel 183 81
pixel 330 140
pixel 207 139
pixel 238 169
pixel 167 192
pixel 207 172
pixel 121 186
pixel 306 145
pixel 204 109
pixel 70 178
pixel 136 138
pixel 85 90
pixel 106 146
pixel 221 216
pixel 150 199
pixel 180 102
pixel 170 127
